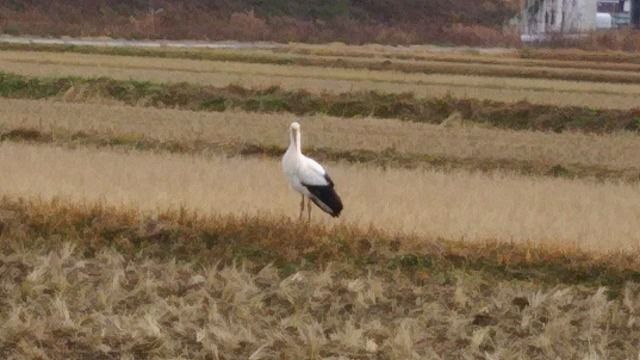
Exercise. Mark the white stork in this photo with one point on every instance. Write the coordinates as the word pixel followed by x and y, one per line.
pixel 309 178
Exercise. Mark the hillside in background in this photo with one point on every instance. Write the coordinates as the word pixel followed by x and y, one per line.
pixel 469 22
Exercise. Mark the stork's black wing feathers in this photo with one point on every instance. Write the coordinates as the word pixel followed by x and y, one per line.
pixel 325 197
pixel 326 177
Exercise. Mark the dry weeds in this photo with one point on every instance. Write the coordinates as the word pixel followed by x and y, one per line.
pixel 320 79
pixel 61 304
pixel 613 151
pixel 455 205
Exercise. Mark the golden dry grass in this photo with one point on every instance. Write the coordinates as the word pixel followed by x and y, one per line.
pixel 372 50
pixel 468 64
pixel 411 62
pixel 318 79
pixel 613 151
pixel 83 282
pixel 62 304
pixel 95 282
pixel 457 205
pixel 474 59
pixel 571 58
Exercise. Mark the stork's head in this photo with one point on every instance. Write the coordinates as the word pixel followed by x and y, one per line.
pixel 294 134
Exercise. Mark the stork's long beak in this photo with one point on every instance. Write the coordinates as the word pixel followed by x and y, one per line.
pixel 294 137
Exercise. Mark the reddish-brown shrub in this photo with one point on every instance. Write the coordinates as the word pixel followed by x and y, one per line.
pixel 289 29
pixel 247 26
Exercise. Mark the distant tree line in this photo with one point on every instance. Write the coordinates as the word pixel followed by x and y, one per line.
pixel 308 20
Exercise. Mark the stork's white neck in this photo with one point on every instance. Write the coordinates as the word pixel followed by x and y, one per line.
pixel 294 137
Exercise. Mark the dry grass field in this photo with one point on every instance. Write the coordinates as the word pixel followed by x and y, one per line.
pixel 107 306
pixel 126 288
pixel 526 63
pixel 617 151
pixel 320 79
pixel 143 231
pixel 479 207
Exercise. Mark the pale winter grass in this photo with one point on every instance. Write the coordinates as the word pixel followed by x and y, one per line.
pixel 484 64
pixel 319 79
pixel 380 49
pixel 429 62
pixel 613 151
pixel 455 205
pixel 60 304
pixel 319 72
pixel 372 54
pixel 422 54
pixel 464 58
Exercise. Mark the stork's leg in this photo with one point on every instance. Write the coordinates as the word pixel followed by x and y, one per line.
pixel 301 208
pixel 309 209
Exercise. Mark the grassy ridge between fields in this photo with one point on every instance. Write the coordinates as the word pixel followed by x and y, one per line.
pixel 291 246
pixel 473 65
pixel 518 116
pixel 385 158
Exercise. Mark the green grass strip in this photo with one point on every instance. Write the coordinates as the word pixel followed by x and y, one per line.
pixel 516 116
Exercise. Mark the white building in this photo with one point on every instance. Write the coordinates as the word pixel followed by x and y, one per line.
pixel 542 17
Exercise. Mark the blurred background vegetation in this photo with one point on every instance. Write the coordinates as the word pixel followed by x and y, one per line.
pixel 470 22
